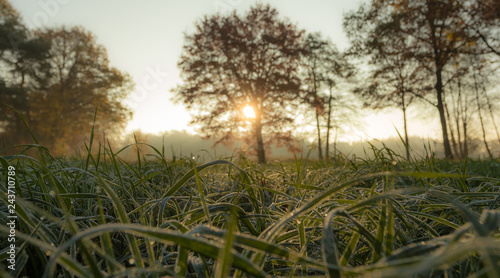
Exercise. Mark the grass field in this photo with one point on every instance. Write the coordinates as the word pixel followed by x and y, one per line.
pixel 100 216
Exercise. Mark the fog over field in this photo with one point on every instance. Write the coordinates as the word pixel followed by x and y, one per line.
pixel 184 144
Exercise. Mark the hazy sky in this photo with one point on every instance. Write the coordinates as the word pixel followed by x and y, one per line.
pixel 144 38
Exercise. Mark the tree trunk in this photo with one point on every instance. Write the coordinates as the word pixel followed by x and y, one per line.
pixel 481 117
pixel 442 117
pixel 407 142
pixel 452 133
pixel 328 125
pixel 466 143
pixel 320 150
pixel 459 135
pixel 482 127
pixel 261 154
pixel 335 140
pixel 490 109
pixel 462 112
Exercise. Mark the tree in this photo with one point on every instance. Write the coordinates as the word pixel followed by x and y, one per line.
pixel 79 80
pixel 484 74
pixel 23 61
pixel 325 68
pixel 457 101
pixel 435 33
pixel 55 79
pixel 315 69
pixel 232 62
pixel 395 77
pixel 483 20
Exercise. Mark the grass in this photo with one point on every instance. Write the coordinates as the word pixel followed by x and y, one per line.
pixel 100 216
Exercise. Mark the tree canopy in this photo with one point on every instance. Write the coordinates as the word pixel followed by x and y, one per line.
pixel 234 61
pixel 80 80
pixel 427 37
pixel 23 61
pixel 56 78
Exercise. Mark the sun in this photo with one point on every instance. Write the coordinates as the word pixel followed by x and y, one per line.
pixel 248 112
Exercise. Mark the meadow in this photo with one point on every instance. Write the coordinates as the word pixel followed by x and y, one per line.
pixel 98 215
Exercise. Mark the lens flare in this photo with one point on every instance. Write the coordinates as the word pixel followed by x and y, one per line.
pixel 248 112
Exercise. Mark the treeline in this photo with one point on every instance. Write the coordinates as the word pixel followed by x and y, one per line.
pixel 436 54
pixel 53 80
pixel 258 79
pixel 441 54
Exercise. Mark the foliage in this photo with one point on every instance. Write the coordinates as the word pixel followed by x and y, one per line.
pixel 326 73
pixel 55 79
pixel 81 80
pixel 100 216
pixel 22 57
pixel 427 36
pixel 235 61
pixel 484 18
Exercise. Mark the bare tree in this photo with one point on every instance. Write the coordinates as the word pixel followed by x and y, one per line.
pixel 325 68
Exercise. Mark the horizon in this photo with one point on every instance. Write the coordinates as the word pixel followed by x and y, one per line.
pixel 187 145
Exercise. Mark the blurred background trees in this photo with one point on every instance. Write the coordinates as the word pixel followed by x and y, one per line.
pixel 257 78
pixel 55 78
pixel 326 73
pixel 23 61
pixel 434 53
pixel 79 80
pixel 415 45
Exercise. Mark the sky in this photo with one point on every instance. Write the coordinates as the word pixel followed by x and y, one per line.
pixel 145 38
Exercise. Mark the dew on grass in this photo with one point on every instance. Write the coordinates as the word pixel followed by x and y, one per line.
pixel 359 196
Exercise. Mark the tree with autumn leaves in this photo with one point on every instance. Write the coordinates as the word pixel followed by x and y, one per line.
pixel 260 62
pixel 55 79
pixel 23 61
pixel 80 80
pixel 232 62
